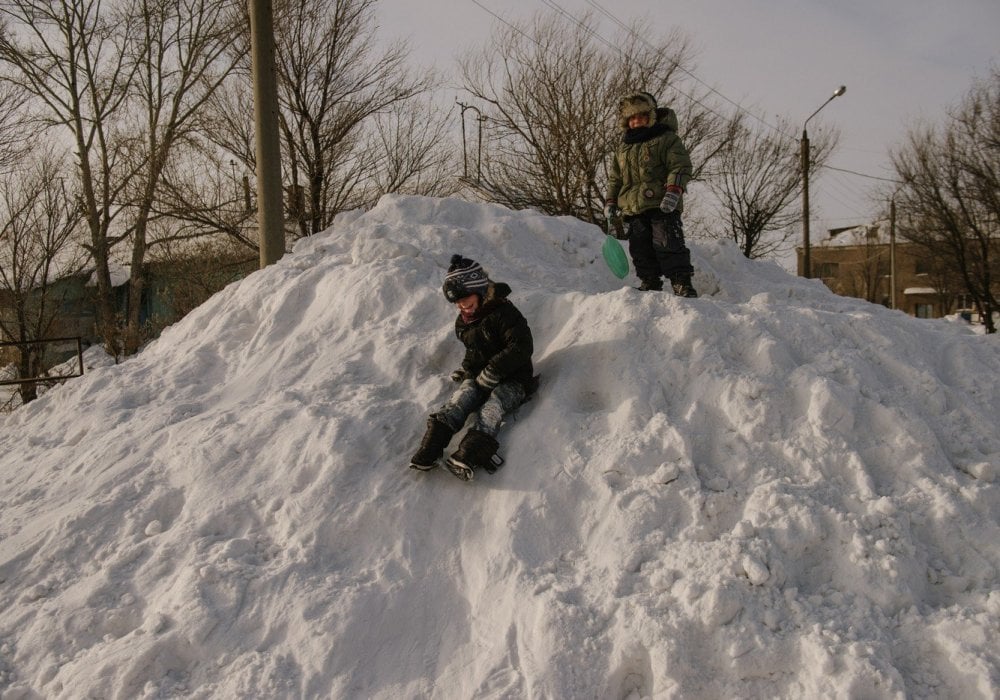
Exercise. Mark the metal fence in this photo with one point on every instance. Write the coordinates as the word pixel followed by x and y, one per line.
pixel 51 378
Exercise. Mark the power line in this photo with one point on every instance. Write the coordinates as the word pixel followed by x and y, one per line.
pixel 854 172
pixel 501 19
pixel 844 199
pixel 552 4
pixel 592 32
pixel 738 106
pixel 694 77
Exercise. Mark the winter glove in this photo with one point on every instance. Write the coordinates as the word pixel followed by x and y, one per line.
pixel 487 381
pixel 620 231
pixel 458 375
pixel 611 211
pixel 671 198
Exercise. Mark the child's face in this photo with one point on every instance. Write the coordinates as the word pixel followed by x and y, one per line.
pixel 468 305
pixel 638 120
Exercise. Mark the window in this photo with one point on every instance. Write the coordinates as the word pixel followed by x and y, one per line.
pixel 828 269
pixel 922 266
pixel 924 311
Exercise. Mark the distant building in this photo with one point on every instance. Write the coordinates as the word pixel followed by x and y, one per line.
pixel 857 262
pixel 173 287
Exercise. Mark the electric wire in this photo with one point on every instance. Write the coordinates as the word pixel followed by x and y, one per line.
pixel 555 6
pixel 610 15
pixel 614 18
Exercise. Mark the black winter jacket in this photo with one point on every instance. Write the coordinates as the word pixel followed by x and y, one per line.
pixel 498 338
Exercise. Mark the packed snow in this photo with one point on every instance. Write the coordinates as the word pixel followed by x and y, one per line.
pixel 768 491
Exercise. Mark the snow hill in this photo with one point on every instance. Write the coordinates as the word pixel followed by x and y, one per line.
pixel 769 491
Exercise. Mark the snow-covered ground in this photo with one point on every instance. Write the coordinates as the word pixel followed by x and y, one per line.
pixel 769 491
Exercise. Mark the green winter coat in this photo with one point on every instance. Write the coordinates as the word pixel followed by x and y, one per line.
pixel 640 172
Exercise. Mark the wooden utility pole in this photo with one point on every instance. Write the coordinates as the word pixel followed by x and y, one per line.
pixel 892 252
pixel 270 215
pixel 804 164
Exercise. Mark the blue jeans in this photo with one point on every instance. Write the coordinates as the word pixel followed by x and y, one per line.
pixel 490 408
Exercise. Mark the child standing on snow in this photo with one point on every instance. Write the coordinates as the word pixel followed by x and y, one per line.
pixel 648 173
pixel 495 376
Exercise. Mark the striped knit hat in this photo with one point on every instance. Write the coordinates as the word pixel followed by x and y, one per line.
pixel 464 277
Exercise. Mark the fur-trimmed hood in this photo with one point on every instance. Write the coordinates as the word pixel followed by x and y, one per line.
pixel 645 103
pixel 496 293
pixel 668 118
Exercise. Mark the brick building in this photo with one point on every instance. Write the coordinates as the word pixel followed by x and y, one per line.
pixel 857 262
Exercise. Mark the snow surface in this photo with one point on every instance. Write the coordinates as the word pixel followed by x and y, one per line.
pixel 769 491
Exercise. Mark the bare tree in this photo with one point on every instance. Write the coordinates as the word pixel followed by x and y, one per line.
pixel 39 221
pixel 126 81
pixel 14 123
pixel 334 85
pixel 70 55
pixel 204 193
pixel 180 49
pixel 206 186
pixel 226 124
pixel 332 79
pixel 950 198
pixel 550 90
pixel 868 273
pixel 756 180
pixel 411 152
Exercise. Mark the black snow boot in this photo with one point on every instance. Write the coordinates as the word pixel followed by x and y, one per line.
pixel 682 287
pixel 436 438
pixel 651 285
pixel 474 452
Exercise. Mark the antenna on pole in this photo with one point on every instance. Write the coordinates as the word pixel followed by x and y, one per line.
pixel 479 155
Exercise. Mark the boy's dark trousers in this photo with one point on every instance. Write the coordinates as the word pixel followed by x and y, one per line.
pixel 656 244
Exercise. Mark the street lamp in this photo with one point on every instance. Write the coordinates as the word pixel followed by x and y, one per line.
pixel 806 260
pixel 465 161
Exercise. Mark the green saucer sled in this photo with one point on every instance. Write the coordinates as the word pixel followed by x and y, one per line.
pixel 614 256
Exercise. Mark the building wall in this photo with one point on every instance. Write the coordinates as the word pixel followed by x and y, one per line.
pixel 864 272
pixel 172 289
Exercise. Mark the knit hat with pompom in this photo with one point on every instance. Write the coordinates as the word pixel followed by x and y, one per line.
pixel 464 277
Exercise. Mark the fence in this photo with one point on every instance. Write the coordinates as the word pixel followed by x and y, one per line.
pixel 51 378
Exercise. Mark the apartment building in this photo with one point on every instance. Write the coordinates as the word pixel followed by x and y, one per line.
pixel 858 262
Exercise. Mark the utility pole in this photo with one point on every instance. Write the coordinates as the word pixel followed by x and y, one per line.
pixel 270 214
pixel 804 163
pixel 892 252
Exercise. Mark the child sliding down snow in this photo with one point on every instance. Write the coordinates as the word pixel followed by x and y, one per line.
pixel 495 376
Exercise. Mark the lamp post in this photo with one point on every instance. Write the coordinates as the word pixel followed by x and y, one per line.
pixel 806 260
pixel 465 161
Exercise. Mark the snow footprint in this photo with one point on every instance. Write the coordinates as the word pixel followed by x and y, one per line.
pixel 632 680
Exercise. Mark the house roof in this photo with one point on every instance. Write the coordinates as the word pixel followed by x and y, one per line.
pixel 876 233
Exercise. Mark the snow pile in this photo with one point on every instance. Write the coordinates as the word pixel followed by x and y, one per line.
pixel 770 491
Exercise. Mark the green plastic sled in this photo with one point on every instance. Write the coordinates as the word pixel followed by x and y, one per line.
pixel 614 256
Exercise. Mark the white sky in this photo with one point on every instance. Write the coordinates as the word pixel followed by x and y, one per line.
pixel 901 60
pixel 769 491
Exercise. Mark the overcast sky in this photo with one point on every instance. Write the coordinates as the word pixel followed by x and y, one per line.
pixel 901 60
